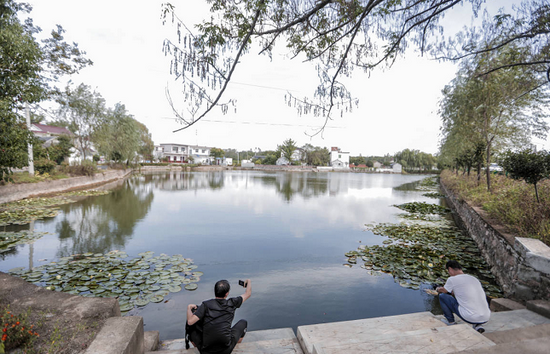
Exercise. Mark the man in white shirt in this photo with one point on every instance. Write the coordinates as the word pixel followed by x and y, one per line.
pixel 469 301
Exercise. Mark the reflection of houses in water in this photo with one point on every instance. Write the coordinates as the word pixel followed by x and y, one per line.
pixel 307 184
pixel 176 180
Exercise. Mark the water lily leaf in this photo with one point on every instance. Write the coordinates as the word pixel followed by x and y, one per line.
pixel 174 289
pixel 157 298
pixel 191 287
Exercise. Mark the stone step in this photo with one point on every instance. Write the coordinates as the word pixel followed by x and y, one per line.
pixel 275 341
pixel 502 321
pixel 340 332
pixel 519 334
pixel 542 307
pixel 529 346
pixel 447 339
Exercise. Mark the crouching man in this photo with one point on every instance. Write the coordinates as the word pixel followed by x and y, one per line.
pixel 209 325
pixel 469 301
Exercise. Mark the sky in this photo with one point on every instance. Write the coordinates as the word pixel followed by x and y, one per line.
pixel 397 106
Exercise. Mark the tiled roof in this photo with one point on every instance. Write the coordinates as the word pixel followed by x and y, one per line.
pixel 51 129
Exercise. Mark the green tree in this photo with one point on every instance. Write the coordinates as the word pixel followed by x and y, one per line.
pixel 287 148
pixel 497 109
pixel 318 157
pixel 27 71
pixel 270 157
pixel 216 152
pixel 146 144
pixel 84 112
pixel 528 165
pixel 58 152
pixel 119 136
pixel 357 160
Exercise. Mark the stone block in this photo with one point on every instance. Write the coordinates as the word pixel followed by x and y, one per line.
pixel 499 305
pixel 538 262
pixel 119 335
pixel 151 340
pixel 542 307
pixel 523 292
pixel 528 274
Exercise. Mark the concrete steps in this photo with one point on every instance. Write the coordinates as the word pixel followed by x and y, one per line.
pixel 447 339
pixel 516 331
pixel 273 341
pixel 340 332
pixel 421 333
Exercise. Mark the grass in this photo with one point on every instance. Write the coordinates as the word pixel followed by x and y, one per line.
pixel 512 203
pixel 24 177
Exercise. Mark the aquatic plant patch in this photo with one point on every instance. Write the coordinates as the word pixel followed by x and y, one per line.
pixel 24 211
pixel 416 254
pixel 9 240
pixel 423 208
pixel 135 282
pixel 434 195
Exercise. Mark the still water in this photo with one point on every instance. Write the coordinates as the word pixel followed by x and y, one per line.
pixel 287 232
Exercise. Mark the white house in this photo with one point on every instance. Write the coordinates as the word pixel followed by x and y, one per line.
pixel 377 164
pixel 338 158
pixel 397 168
pixel 181 153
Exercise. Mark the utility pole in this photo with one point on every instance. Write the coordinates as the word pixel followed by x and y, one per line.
pixel 29 146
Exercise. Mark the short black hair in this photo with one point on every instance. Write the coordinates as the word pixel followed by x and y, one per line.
pixel 453 264
pixel 221 288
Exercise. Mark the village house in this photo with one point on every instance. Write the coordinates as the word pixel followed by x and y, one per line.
pixel 338 158
pixel 183 153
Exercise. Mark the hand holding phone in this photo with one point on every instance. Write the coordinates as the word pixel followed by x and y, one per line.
pixel 242 283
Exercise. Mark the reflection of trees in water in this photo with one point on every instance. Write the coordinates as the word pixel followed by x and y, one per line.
pixel 177 180
pixel 304 184
pixel 104 223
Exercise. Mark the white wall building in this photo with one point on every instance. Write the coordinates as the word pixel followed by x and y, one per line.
pixel 338 158
pixel 181 153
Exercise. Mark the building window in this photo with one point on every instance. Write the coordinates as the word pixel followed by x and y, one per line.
pixel 175 149
pixel 175 158
pixel 182 149
pixel 203 151
pixel 339 156
pixel 162 149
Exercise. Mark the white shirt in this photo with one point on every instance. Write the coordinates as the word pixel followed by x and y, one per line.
pixel 472 302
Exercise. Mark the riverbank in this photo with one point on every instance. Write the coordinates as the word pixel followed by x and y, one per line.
pixel 521 265
pixel 13 192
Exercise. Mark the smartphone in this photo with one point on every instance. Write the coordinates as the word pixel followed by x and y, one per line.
pixel 242 283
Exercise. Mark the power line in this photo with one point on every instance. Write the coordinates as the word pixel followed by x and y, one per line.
pixel 260 123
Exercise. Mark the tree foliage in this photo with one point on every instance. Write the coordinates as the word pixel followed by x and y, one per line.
pixel 216 152
pixel 146 144
pixel 499 109
pixel 287 148
pixel 415 160
pixel 528 165
pixel 118 137
pixel 28 70
pixel 83 110
pixel 339 36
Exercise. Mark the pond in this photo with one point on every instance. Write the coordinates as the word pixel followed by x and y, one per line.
pixel 287 232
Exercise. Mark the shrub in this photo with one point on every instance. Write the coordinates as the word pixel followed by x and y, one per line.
pixel 86 168
pixel 154 164
pixel 512 202
pixel 44 166
pixel 17 332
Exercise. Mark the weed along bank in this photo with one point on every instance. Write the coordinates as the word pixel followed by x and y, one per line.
pixel 321 248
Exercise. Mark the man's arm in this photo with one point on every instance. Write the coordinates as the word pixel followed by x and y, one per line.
pixel 191 318
pixel 248 292
pixel 442 289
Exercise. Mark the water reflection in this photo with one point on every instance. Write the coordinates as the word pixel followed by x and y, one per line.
pixel 286 231
pixel 103 223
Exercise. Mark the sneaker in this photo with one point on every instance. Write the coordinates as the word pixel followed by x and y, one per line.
pixel 479 327
pixel 446 321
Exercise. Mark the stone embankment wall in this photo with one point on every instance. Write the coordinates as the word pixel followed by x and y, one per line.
pixel 13 192
pixel 520 265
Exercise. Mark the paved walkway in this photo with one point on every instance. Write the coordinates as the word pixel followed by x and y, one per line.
pixel 519 331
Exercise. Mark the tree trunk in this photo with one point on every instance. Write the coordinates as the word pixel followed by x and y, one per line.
pixel 488 174
pixel 537 193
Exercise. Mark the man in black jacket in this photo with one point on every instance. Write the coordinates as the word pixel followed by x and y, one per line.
pixel 216 316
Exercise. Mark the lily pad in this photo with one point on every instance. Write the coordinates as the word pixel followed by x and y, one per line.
pixel 191 287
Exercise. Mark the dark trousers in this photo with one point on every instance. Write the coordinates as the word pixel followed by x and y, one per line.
pixel 237 332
